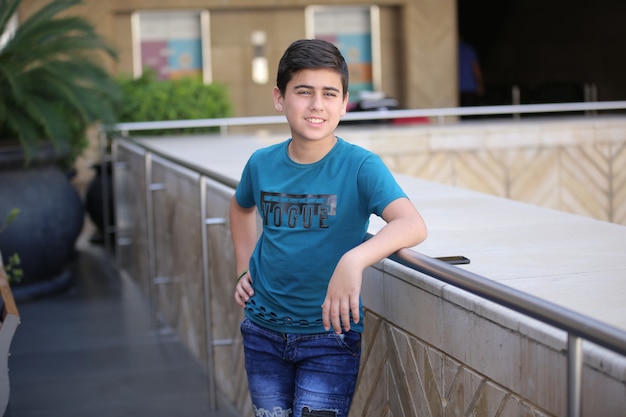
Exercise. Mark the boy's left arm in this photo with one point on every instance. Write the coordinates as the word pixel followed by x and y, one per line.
pixel 405 228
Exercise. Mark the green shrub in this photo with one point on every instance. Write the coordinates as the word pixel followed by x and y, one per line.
pixel 147 99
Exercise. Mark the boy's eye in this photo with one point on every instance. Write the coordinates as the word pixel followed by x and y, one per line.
pixel 309 92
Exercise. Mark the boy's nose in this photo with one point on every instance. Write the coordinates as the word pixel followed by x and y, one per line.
pixel 316 102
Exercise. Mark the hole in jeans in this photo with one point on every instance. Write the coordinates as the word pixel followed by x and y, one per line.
pixel 307 412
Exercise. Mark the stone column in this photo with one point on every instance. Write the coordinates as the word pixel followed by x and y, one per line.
pixel 430 32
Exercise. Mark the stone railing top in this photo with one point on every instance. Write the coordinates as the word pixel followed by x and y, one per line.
pixel 573 261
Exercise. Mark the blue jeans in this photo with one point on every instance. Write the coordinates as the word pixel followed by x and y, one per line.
pixel 300 375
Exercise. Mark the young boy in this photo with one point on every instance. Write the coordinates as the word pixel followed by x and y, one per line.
pixel 300 283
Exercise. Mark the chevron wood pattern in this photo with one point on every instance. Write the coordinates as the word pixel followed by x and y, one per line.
pixel 403 377
pixel 585 181
pixel 585 177
pixel 435 166
pixel 618 184
pixel 482 171
pixel 533 176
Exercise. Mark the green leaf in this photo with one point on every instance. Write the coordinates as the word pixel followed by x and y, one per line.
pixel 52 85
pixel 12 216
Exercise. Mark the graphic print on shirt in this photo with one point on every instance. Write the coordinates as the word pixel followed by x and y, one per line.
pixel 298 210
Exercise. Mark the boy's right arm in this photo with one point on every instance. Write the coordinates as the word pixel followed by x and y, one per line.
pixel 244 235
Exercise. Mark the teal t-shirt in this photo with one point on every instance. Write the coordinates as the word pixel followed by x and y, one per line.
pixel 312 214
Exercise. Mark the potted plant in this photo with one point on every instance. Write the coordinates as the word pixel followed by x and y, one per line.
pixel 52 88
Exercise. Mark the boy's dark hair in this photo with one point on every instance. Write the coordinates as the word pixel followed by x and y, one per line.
pixel 311 54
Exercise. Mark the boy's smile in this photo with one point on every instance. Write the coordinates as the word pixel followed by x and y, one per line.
pixel 313 104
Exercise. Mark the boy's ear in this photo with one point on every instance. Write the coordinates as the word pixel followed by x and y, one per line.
pixel 278 99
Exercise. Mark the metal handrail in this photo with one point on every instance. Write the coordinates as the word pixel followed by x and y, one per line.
pixel 439 113
pixel 560 317
pixel 576 325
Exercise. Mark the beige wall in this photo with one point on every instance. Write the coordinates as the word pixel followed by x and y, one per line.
pixel 577 165
pixel 418 43
pixel 232 52
pixel 430 50
pixel 392 58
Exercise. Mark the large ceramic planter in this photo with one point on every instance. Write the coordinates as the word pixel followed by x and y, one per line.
pixel 94 202
pixel 50 220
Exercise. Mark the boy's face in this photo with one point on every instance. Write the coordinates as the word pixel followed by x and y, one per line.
pixel 313 104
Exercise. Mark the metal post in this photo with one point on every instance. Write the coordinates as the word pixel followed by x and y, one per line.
pixel 574 375
pixel 105 158
pixel 113 158
pixel 150 237
pixel 210 368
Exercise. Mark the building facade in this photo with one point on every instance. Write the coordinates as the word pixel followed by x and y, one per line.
pixel 404 49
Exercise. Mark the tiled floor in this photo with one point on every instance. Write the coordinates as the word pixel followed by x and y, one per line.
pixel 90 351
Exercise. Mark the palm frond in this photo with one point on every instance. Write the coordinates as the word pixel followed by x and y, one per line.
pixel 20 122
pixel 50 119
pixel 52 85
pixel 57 38
pixel 7 10
pixel 46 13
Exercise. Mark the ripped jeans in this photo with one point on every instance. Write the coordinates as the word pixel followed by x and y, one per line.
pixel 300 375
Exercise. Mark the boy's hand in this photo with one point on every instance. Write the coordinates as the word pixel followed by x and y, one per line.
pixel 342 297
pixel 243 290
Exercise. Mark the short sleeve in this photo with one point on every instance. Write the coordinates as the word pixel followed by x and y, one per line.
pixel 244 193
pixel 378 184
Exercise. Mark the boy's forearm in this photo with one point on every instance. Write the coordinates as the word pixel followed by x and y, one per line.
pixel 405 228
pixel 243 233
pixel 395 235
pixel 342 296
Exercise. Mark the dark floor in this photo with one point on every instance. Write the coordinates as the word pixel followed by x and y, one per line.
pixel 90 351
